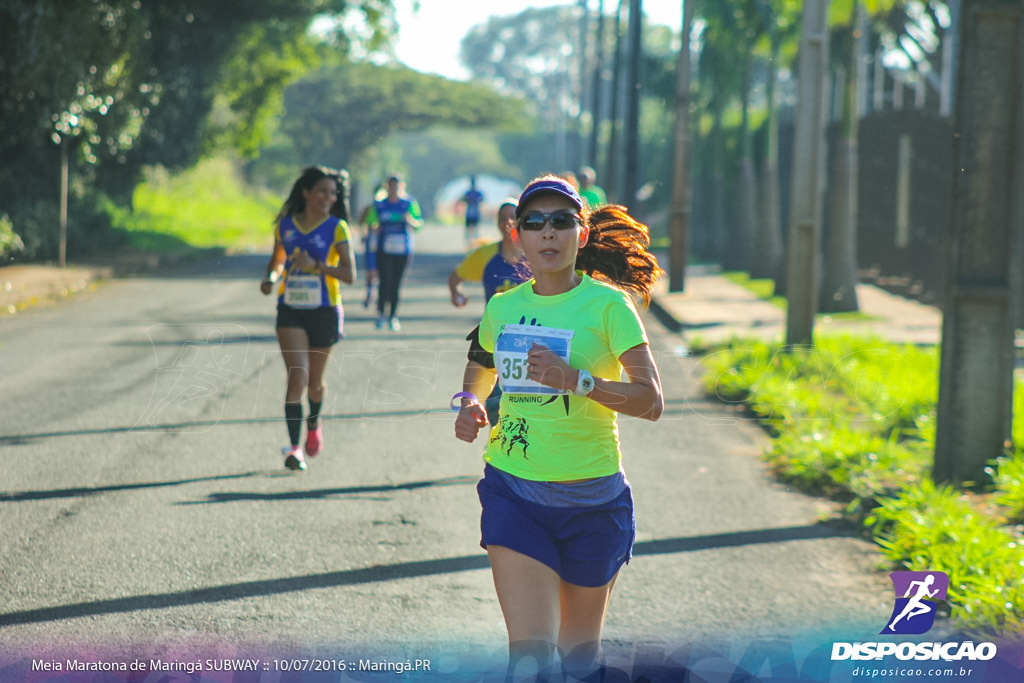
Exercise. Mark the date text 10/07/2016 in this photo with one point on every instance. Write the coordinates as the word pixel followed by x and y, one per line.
pixel 384 665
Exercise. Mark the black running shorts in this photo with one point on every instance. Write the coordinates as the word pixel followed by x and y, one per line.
pixel 324 325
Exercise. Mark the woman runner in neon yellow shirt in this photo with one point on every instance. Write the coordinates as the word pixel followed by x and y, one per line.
pixel 557 511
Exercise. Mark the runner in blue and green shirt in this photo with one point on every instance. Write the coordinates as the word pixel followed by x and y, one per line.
pixel 394 218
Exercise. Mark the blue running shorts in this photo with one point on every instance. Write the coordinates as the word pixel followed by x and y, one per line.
pixel 585 545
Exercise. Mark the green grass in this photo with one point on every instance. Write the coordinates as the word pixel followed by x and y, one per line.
pixel 207 206
pixel 854 419
pixel 761 288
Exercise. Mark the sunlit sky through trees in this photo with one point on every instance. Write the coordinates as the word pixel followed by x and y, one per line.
pixel 429 37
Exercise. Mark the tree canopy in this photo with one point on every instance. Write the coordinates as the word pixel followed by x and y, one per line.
pixel 526 54
pixel 125 83
pixel 341 110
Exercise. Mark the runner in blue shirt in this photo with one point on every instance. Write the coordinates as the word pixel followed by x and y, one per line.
pixel 395 218
pixel 472 199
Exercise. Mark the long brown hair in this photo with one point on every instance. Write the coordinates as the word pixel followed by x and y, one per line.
pixel 617 251
pixel 311 175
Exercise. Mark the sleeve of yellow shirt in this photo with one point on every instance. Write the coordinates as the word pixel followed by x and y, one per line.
pixel 341 236
pixel 472 267
pixel 624 327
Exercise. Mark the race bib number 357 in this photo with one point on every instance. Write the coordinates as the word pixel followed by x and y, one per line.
pixel 511 349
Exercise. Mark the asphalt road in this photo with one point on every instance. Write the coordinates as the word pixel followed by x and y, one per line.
pixel 144 509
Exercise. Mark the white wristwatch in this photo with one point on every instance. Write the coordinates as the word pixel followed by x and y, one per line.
pixel 585 384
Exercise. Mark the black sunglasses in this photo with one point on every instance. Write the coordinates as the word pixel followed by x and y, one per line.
pixel 560 220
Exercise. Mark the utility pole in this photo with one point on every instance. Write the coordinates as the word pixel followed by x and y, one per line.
pixel 802 267
pixel 611 176
pixel 975 409
pixel 62 238
pixel 578 153
pixel 678 250
pixel 597 89
pixel 632 154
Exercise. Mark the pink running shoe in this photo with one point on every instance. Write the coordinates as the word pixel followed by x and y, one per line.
pixel 293 459
pixel 314 441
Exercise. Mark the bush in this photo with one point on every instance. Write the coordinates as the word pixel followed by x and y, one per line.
pixel 1008 478
pixel 855 419
pixel 37 223
pixel 10 242
pixel 935 529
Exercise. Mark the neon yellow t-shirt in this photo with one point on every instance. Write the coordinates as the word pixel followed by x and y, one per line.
pixel 561 437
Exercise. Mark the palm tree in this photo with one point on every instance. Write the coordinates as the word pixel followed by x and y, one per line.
pixel 723 78
pixel 839 275
pixel 781 21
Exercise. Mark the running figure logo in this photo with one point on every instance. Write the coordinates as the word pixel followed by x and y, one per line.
pixel 512 432
pixel 917 597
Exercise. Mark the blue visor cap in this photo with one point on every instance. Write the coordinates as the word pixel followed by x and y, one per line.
pixel 562 187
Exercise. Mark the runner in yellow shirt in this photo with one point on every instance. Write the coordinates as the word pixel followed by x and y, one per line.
pixel 557 510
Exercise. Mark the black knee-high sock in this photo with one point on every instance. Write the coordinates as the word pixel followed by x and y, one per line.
pixel 293 417
pixel 314 414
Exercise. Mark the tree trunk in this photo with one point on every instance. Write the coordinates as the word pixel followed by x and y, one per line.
pixel 747 218
pixel 717 219
pixel 768 246
pixel 611 176
pixel 839 278
pixel 974 418
pixel 808 158
pixel 679 227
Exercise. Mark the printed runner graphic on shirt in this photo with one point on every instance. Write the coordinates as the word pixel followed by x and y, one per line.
pixel 512 432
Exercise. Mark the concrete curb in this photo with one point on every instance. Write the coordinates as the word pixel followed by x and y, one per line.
pixel 24 286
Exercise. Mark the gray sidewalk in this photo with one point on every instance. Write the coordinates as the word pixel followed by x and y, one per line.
pixel 23 286
pixel 714 309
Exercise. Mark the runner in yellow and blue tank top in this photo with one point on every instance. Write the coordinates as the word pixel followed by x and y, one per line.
pixel 499 267
pixel 312 256
pixel 309 288
pixel 557 510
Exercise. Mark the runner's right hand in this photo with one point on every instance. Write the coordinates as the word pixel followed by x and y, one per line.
pixel 471 419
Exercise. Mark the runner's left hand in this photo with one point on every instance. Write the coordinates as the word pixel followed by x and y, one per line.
pixel 545 366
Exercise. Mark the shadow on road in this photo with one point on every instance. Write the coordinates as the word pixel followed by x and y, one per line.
pixel 22 439
pixel 240 496
pixel 391 572
pixel 21 496
pixel 223 497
